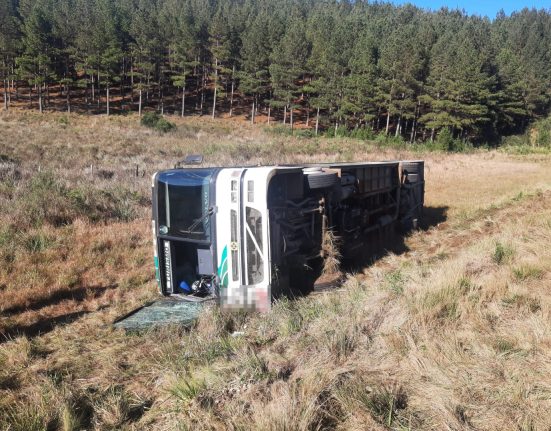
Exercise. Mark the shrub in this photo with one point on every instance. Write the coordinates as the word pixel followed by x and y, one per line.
pixel 304 133
pixel 63 120
pixel 157 122
pixel 446 142
pixel 542 133
pixel 363 133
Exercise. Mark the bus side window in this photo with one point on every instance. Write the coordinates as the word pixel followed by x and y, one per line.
pixel 250 191
pixel 234 191
pixel 255 259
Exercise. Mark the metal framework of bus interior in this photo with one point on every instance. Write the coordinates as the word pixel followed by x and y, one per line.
pixel 246 235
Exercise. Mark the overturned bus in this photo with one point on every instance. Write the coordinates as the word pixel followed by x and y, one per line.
pixel 246 235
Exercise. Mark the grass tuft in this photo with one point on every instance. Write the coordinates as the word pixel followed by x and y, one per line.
pixel 187 389
pixel 502 253
pixel 527 272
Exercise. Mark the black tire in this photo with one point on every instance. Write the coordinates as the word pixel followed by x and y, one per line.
pixel 321 180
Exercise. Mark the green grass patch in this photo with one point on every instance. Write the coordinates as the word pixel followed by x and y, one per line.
pixel 502 253
pixel 521 301
pixel 526 272
pixel 187 388
pixel 395 281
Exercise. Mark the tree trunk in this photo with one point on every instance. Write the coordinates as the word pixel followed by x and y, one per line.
pixel 40 98
pixel 5 95
pixel 68 98
pixel 269 114
pixel 160 104
pixel 93 90
pixel 252 114
pixel 140 104
pixel 398 126
pixel 308 118
pixel 107 95
pixel 291 109
pixel 122 81
pixel 131 82
pixel 215 87
pixel 13 87
pixel 232 89
pixel 387 121
pixel 317 120
pixel 99 90
pixel 183 100
pixel 285 115
pixel 336 127
pixel 86 94
pixel 413 125
pixel 202 91
pixel 432 135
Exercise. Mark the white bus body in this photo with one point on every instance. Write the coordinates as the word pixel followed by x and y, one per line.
pixel 245 235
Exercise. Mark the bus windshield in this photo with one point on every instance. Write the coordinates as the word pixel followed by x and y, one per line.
pixel 184 203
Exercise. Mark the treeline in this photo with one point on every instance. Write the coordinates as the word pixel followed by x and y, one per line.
pixel 331 64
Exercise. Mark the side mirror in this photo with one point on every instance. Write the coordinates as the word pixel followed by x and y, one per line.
pixel 191 159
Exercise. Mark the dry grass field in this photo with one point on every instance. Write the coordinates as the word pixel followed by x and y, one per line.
pixel 453 333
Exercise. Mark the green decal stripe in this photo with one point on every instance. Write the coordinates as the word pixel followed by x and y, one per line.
pixel 223 268
pixel 157 273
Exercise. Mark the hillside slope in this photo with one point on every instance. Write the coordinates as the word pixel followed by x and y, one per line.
pixel 452 331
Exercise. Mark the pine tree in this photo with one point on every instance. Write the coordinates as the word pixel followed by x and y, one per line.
pixel 401 66
pixel 35 64
pixel 220 48
pixel 65 28
pixel 9 36
pixel 146 49
pixel 288 64
pixel 460 84
pixel 254 78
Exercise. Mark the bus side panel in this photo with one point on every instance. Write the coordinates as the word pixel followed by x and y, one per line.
pixel 228 239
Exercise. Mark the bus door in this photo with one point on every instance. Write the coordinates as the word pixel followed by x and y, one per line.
pixel 255 269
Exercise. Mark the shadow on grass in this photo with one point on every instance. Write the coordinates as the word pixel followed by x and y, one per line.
pixel 76 294
pixel 44 325
pixel 433 216
pixel 381 244
pixel 373 247
pixel 41 327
